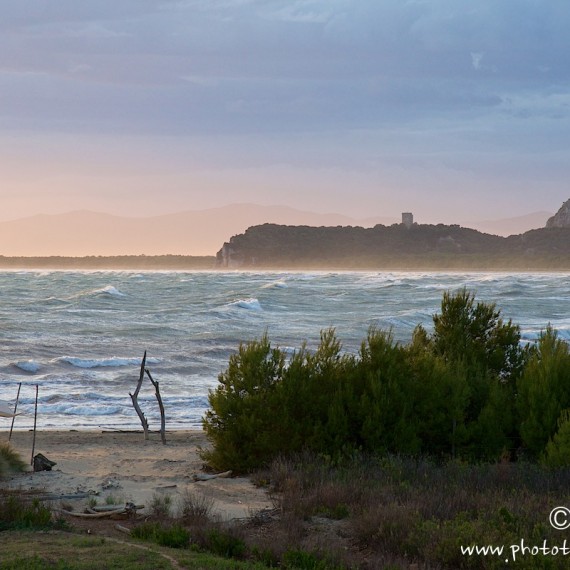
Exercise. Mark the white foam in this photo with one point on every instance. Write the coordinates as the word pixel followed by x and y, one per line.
pixel 99 410
pixel 28 365
pixel 110 290
pixel 275 285
pixel 102 362
pixel 249 304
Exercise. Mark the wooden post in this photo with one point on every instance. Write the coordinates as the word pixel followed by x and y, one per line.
pixel 35 421
pixel 161 407
pixel 15 410
pixel 134 398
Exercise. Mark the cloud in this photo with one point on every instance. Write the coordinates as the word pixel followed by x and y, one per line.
pixel 297 81
pixel 476 58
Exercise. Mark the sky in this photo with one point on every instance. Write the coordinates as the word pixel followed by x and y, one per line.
pixel 451 109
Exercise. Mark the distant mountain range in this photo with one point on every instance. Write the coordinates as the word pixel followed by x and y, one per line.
pixel 200 232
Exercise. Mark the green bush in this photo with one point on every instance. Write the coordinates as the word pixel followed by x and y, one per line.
pixel 173 536
pixel 451 393
pixel 225 544
pixel 543 391
pixel 557 452
pixel 242 420
pixel 20 513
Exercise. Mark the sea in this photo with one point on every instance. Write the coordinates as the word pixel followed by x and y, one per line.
pixel 79 336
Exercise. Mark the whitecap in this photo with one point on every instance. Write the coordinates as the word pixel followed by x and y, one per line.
pixel 249 304
pixel 275 285
pixel 28 366
pixel 110 290
pixel 99 410
pixel 102 362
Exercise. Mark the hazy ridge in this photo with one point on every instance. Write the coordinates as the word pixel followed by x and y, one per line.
pixel 426 247
pixel 196 233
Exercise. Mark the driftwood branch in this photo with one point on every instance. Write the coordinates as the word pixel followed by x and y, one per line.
pixel 107 508
pixel 207 477
pixel 15 410
pixel 160 405
pixel 129 509
pixel 134 398
pixel 54 497
pixel 35 422
pixel 93 515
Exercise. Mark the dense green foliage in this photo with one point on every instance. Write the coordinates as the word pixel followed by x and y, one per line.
pixel 397 247
pixel 544 397
pixel 467 390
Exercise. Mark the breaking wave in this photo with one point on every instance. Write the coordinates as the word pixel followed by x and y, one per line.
pixel 28 366
pixel 103 362
pixel 249 304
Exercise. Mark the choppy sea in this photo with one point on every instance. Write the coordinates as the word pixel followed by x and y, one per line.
pixel 80 336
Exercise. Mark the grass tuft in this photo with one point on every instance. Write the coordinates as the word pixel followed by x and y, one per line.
pixel 10 461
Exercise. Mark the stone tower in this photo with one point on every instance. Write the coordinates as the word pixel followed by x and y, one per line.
pixel 408 219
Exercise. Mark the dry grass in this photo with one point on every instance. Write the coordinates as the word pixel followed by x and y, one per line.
pixel 373 513
pixel 195 509
pixel 10 461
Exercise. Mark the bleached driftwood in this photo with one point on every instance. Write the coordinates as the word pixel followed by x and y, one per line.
pixel 120 511
pixel 35 422
pixel 134 398
pixel 129 509
pixel 160 406
pixel 207 476
pixel 109 508
pixel 54 497
pixel 15 411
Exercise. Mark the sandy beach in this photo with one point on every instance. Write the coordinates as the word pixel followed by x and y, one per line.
pixel 122 466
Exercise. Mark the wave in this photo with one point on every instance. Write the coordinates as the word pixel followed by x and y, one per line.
pixel 28 366
pixel 249 304
pixel 110 290
pixel 275 285
pixel 103 362
pixel 533 335
pixel 71 410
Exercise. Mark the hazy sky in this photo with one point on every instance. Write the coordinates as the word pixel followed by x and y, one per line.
pixel 452 109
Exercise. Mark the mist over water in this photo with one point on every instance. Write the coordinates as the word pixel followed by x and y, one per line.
pixel 81 335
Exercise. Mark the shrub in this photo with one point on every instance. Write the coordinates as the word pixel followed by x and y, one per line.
pixel 10 461
pixel 160 505
pixel 557 453
pixel 195 509
pixel 18 512
pixel 242 420
pixel 544 391
pixel 173 536
pixel 467 391
pixel 225 543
